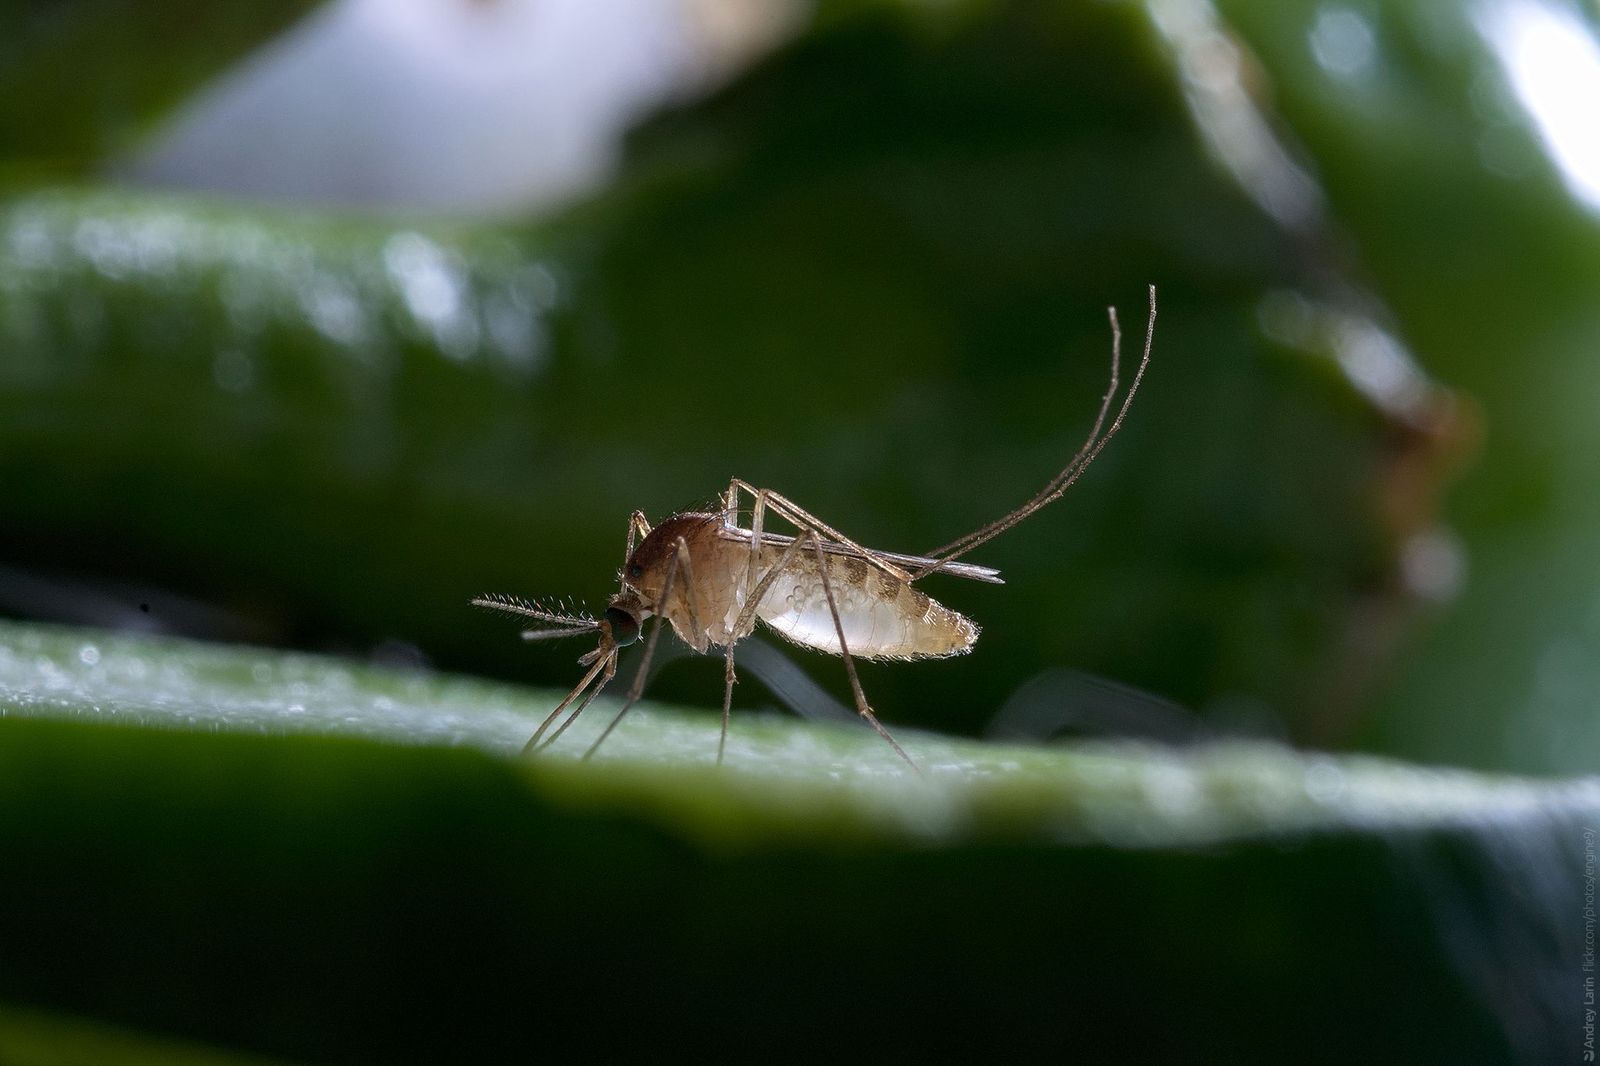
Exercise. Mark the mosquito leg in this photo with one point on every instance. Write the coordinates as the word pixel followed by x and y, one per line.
pixel 637 688
pixel 610 662
pixel 701 641
pixel 747 613
pixel 1080 462
pixel 803 519
pixel 844 651
pixel 758 517
pixel 1088 443
pixel 746 619
pixel 638 526
pixel 604 659
pixel 533 741
pixel 758 514
pixel 701 638
pixel 727 702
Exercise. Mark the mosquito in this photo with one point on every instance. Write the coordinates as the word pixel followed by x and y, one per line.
pixel 713 579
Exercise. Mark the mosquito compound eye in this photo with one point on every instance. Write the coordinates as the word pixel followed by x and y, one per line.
pixel 635 571
pixel 624 626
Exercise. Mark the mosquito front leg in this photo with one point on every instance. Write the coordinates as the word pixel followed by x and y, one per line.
pixel 610 663
pixel 637 688
pixel 594 671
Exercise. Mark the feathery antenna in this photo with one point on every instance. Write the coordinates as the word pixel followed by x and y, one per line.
pixel 563 624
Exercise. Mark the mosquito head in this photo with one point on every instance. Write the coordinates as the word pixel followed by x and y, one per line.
pixel 624 615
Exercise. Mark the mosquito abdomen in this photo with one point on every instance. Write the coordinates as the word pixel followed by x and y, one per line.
pixel 882 616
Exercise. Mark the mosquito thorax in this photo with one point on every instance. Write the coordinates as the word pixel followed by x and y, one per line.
pixel 624 625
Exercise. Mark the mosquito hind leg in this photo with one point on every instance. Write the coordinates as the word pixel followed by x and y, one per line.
pixel 804 520
pixel 746 618
pixel 1069 474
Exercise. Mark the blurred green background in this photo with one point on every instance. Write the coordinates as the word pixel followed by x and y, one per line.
pixel 315 325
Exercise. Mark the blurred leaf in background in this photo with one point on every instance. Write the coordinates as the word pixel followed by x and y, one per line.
pixel 1459 152
pixel 872 273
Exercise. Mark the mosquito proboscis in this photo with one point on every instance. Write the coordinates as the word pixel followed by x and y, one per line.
pixel 713 579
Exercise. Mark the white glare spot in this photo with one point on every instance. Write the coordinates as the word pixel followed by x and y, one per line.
pixel 1377 364
pixel 1342 42
pixel 334 310
pixel 89 655
pixel 1373 360
pixel 1324 781
pixel 1433 565
pixel 1236 132
pixel 1553 64
pixel 419 270
pixel 433 283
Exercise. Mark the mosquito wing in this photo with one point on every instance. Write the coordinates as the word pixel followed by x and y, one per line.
pixel 966 570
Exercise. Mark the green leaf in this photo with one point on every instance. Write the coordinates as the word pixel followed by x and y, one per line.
pixel 782 776
pixel 314 858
